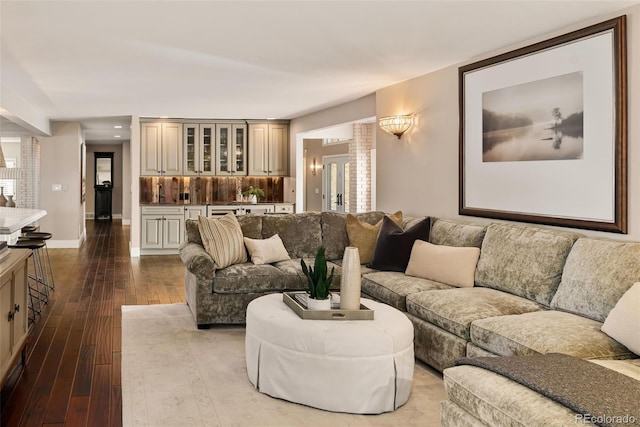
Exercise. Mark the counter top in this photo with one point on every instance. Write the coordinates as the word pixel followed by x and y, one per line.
pixel 13 219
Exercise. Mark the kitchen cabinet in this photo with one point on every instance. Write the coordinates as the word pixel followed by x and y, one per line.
pixel 13 310
pixel 231 149
pixel 193 212
pixel 283 208
pixel 268 149
pixel 162 227
pixel 161 149
pixel 199 149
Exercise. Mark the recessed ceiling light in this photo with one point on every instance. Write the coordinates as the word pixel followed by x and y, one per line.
pixel 116 136
pixel 271 118
pixel 118 126
pixel 164 117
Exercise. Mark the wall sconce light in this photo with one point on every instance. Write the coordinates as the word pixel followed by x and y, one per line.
pixel 314 167
pixel 396 125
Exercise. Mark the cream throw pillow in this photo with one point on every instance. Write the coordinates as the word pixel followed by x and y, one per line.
pixel 222 239
pixel 623 322
pixel 455 266
pixel 266 251
pixel 363 235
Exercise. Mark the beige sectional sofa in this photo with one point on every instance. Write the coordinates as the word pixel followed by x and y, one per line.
pixel 536 291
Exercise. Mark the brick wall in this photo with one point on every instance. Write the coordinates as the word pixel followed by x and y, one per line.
pixel 360 168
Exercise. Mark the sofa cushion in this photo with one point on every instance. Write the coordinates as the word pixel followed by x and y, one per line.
pixel 249 278
pixel 597 273
pixel 392 287
pixel 295 278
pixel 623 322
pixel 251 225
pixel 300 233
pixel 393 247
pixel 452 265
pixel 455 309
pixel 334 231
pixel 363 235
pixel 192 232
pixel 494 400
pixel 524 261
pixel 222 238
pixel 452 233
pixel 544 332
pixel 266 251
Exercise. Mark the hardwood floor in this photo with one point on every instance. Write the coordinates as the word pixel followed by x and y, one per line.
pixel 72 374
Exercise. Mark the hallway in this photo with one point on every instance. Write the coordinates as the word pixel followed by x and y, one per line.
pixel 72 375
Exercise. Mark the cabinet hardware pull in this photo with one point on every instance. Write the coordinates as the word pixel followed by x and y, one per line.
pixel 10 316
pixel 16 307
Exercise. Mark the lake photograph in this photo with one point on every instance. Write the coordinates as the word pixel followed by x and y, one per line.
pixel 539 120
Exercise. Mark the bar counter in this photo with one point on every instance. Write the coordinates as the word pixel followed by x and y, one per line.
pixel 13 219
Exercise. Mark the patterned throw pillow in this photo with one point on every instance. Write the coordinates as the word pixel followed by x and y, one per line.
pixel 222 239
pixel 363 235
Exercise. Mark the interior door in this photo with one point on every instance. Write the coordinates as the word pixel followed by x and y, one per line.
pixel 336 183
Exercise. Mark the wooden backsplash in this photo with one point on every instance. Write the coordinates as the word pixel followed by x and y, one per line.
pixel 180 190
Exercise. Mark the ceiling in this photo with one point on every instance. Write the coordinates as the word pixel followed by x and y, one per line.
pixel 102 61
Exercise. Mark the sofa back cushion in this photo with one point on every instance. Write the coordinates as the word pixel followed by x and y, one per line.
pixel 251 225
pixel 451 233
pixel 524 261
pixel 596 275
pixel 300 233
pixel 192 232
pixel 334 231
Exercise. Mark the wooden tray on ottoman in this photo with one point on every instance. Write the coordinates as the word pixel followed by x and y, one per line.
pixel 295 301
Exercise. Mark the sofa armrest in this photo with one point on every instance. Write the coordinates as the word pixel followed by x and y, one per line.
pixel 197 260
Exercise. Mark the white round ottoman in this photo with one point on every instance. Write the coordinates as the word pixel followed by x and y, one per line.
pixel 355 366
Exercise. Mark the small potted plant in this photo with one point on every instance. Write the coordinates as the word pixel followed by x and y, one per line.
pixel 253 194
pixel 318 282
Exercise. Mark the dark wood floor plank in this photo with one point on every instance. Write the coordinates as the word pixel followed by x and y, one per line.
pixel 73 371
pixel 59 402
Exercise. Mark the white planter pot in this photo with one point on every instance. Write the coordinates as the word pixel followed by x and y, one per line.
pixel 254 199
pixel 350 282
pixel 319 304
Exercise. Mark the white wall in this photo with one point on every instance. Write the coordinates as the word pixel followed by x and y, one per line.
pixel 419 173
pixel 118 184
pixel 60 164
pixel 351 111
pixel 134 146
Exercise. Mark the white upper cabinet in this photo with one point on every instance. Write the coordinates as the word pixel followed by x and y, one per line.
pixel 268 149
pixel 199 149
pixel 161 149
pixel 231 149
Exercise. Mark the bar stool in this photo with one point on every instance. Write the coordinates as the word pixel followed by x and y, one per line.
pixel 28 229
pixel 43 236
pixel 35 279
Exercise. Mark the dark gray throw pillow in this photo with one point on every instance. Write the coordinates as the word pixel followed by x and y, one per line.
pixel 393 247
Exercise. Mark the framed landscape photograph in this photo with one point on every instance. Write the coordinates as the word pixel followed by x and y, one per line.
pixel 543 132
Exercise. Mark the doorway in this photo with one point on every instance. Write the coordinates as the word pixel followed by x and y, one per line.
pixel 335 186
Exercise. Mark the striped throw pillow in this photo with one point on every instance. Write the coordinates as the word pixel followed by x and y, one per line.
pixel 222 239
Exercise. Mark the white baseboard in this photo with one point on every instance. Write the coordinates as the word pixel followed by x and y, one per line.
pixel 134 252
pixel 117 216
pixel 126 222
pixel 89 215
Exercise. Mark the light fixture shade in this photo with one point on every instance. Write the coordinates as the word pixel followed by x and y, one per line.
pixel 396 125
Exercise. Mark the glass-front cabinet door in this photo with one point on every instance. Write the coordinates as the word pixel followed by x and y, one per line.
pixel 199 149
pixel 231 144
pixel 240 149
pixel 190 140
pixel 207 149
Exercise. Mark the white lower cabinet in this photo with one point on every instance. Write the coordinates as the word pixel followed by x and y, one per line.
pixel 162 227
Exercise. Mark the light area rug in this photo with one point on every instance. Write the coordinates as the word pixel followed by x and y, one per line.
pixel 174 374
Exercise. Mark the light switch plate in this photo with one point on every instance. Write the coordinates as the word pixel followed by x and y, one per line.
pixel 56 187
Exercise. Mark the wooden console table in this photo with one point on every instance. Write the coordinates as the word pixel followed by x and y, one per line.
pixel 14 327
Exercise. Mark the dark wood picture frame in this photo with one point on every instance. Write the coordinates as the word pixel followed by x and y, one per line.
pixel 471 168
